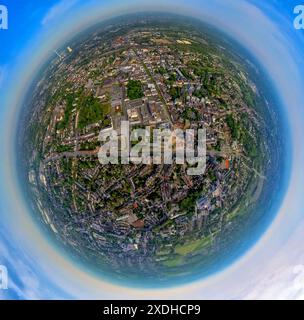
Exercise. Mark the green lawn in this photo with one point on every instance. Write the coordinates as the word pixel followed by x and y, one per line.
pixel 193 246
pixel 92 111
pixel 134 89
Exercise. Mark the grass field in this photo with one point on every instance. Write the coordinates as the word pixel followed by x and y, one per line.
pixel 193 246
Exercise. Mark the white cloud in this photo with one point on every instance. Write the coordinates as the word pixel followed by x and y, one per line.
pixel 282 284
pixel 24 280
pixel 58 9
pixel 283 278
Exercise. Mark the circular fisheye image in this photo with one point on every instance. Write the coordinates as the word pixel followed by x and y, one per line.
pixel 150 149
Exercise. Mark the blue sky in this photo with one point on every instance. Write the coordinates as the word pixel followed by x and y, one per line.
pixel 24 22
pixel 273 268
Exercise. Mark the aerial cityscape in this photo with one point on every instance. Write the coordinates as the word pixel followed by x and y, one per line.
pixel 149 218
